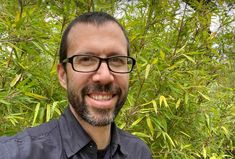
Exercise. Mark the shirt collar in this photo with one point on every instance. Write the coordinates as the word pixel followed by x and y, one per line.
pixel 116 144
pixel 74 137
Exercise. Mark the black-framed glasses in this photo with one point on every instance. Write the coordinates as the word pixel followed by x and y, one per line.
pixel 91 63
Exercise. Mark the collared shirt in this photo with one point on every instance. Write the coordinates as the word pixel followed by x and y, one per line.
pixel 64 138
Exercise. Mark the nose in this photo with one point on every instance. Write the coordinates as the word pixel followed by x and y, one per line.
pixel 103 74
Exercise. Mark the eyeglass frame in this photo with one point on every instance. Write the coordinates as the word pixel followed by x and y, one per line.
pixel 70 60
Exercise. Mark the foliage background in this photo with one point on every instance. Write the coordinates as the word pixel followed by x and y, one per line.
pixel 182 91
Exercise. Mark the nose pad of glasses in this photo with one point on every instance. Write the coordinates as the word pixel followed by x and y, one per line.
pixel 104 65
pixel 103 75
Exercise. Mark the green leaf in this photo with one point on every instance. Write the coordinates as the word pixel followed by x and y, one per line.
pixel 169 139
pixel 122 125
pixel 4 102
pixel 136 122
pixel 226 131
pixel 189 58
pixel 204 96
pixel 14 118
pixel 34 95
pixel 185 134
pixel 140 134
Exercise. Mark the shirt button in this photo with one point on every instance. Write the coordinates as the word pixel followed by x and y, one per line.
pixel 92 146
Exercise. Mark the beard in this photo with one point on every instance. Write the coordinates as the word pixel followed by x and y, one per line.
pixel 100 117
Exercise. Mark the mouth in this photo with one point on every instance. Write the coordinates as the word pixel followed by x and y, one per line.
pixel 101 100
pixel 100 97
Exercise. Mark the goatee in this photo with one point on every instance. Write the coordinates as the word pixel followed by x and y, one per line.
pixel 106 116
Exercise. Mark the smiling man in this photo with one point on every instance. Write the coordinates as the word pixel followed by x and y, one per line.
pixel 94 69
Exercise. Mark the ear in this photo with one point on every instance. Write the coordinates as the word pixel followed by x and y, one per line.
pixel 62 75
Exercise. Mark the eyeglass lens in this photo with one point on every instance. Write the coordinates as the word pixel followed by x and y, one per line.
pixel 86 63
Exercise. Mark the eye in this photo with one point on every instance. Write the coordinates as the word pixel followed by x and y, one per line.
pixel 118 61
pixel 85 60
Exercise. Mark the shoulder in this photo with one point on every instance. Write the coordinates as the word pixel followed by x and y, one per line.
pixel 31 142
pixel 134 145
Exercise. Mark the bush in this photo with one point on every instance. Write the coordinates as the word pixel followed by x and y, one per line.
pixel 182 91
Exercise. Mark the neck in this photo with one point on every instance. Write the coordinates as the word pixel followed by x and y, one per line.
pixel 100 135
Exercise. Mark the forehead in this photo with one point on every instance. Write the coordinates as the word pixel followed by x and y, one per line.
pixel 104 36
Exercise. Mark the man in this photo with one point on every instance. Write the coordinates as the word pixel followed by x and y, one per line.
pixel 94 66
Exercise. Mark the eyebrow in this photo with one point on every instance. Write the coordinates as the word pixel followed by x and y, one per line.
pixel 118 53
pixel 94 54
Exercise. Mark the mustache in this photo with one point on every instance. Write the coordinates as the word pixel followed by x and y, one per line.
pixel 97 87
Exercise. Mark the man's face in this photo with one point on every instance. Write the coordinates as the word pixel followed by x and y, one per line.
pixel 96 96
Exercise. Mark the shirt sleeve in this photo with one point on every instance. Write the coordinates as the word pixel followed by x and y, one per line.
pixel 146 153
pixel 143 151
pixel 27 146
pixel 9 148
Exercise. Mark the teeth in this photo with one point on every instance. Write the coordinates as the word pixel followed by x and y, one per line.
pixel 101 97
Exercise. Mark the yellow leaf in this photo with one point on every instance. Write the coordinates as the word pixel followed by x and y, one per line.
pixel 54 105
pixel 185 146
pixel 155 106
pixel 147 71
pixel 186 97
pixel 15 80
pixel 146 103
pixel 155 61
pixel 36 113
pixel 17 17
pixel 163 99
pixel 122 125
pixel 48 112
pixel 57 111
pixel 177 104
pixel 163 55
pixel 204 153
pixel 172 67
pixel 150 125
pixel 213 157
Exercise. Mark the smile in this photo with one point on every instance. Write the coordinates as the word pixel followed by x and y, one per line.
pixel 101 100
pixel 100 97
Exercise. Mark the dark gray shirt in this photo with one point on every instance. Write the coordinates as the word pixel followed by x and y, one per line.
pixel 65 138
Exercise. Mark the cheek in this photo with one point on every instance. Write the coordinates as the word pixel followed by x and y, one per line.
pixel 77 81
pixel 123 82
